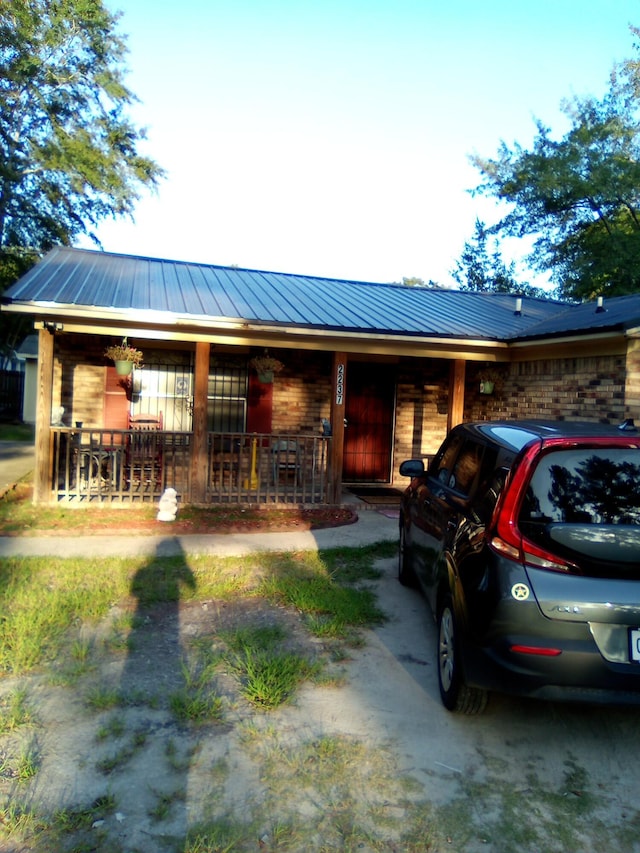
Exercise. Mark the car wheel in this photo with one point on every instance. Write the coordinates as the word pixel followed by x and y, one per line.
pixel 405 573
pixel 455 694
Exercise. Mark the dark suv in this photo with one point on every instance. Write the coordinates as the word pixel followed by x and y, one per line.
pixel 525 538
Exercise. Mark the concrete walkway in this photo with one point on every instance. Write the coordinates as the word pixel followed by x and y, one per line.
pixel 17 459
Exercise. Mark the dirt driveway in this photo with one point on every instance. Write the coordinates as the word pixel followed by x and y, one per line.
pixel 369 761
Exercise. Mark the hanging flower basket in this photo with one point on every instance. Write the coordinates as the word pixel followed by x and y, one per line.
pixel 491 379
pixel 123 368
pixel 266 367
pixel 124 357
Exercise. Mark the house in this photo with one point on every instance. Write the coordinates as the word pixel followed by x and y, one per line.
pixel 373 374
pixel 28 352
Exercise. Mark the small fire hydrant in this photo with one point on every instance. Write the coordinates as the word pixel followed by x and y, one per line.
pixel 168 506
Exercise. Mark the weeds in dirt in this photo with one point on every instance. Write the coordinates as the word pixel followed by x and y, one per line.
pixel 119 759
pixel 28 763
pixel 197 701
pixel 196 706
pixel 72 820
pixel 320 792
pixel 102 698
pixel 332 610
pixel 113 728
pixel 21 767
pixel 164 804
pixel 18 822
pixel 268 674
pixel 222 836
pixel 15 710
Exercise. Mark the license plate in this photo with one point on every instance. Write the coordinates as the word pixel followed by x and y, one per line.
pixel 634 641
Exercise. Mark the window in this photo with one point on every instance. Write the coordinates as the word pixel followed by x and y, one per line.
pixel 227 397
pixel 442 465
pixel 466 468
pixel 585 486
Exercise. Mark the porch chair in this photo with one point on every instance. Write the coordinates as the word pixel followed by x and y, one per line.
pixel 144 453
pixel 286 456
pixel 225 458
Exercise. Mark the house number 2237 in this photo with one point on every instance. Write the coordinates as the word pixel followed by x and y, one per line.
pixel 340 385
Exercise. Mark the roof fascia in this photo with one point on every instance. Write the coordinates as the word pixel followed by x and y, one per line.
pixel 597 343
pixel 293 338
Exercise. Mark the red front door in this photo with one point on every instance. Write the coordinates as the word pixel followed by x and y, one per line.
pixel 368 438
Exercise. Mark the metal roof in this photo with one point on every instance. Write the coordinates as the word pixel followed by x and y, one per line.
pixel 103 282
pixel 621 312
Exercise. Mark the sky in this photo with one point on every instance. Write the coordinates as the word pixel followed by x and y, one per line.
pixel 332 137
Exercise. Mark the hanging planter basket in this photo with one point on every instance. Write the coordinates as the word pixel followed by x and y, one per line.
pixel 123 368
pixel 124 357
pixel 266 367
pixel 491 380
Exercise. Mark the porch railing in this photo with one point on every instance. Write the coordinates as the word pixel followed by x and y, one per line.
pixel 127 465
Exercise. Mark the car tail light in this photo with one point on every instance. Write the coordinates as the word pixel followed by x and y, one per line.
pixel 541 559
pixel 505 536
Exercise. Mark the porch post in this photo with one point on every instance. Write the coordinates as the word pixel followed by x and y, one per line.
pixel 338 398
pixel 456 393
pixel 42 476
pixel 199 426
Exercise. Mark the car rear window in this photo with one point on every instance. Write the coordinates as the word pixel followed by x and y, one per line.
pixel 590 486
pixel 584 504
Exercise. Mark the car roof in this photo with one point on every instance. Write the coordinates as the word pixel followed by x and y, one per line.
pixel 515 435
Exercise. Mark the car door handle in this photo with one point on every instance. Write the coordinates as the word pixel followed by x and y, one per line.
pixel 451 526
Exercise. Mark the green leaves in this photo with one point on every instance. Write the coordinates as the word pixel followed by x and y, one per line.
pixel 68 153
pixel 579 195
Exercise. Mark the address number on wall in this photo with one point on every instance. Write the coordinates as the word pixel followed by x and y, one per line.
pixel 340 385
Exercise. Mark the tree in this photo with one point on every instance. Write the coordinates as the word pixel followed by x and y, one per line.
pixel 414 281
pixel 579 196
pixel 69 152
pixel 482 270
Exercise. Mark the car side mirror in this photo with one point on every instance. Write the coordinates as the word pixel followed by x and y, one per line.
pixel 412 468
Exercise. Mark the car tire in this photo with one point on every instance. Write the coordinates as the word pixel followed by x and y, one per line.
pixel 455 694
pixel 405 573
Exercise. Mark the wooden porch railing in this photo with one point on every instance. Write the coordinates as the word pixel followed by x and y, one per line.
pixel 120 466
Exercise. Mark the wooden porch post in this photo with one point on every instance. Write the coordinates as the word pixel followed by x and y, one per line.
pixel 456 393
pixel 199 427
pixel 338 397
pixel 42 476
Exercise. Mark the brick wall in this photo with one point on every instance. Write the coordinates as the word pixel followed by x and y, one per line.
pixel 78 379
pixel 302 392
pixel 591 388
pixel 632 385
pixel 421 408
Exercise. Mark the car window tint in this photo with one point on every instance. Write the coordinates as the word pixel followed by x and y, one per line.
pixel 586 486
pixel 442 465
pixel 489 491
pixel 466 467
